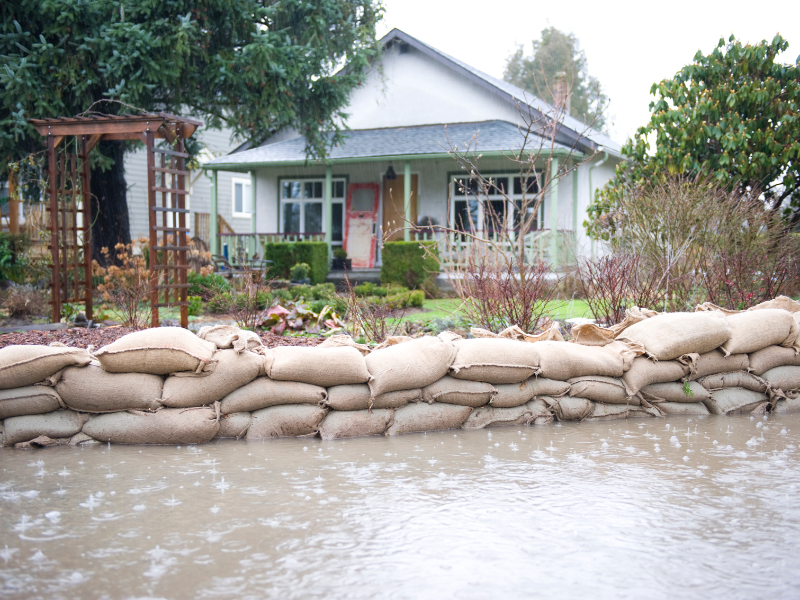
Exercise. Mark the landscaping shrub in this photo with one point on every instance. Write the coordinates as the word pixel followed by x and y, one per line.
pixel 284 255
pixel 24 301
pixel 126 284
pixel 409 263
pixel 13 256
pixel 201 283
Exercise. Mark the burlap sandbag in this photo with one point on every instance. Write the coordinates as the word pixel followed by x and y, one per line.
pixel 774 356
pixel 489 416
pixel 590 334
pixel 496 360
pixel 42 442
pixel 228 336
pixel 158 351
pixel 675 392
pixel 293 420
pixel 734 401
pixel 459 391
pixel 563 360
pixel 317 366
pixel 56 424
pixel 21 366
pixel 646 372
pixel 264 392
pixel 359 397
pixel 684 408
pixel 510 395
pixel 611 412
pixel 755 330
pixel 569 408
pixel 741 379
pixel 95 390
pixel 786 406
pixel 786 379
pixel 782 302
pixel 601 389
pixel 666 337
pixel 355 423
pixel 234 425
pixel 515 332
pixel 29 400
pixel 233 371
pixel 422 416
pixel 169 426
pixel 338 341
pixel 409 365
pixel 711 363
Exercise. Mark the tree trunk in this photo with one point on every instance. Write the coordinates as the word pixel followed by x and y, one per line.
pixel 110 223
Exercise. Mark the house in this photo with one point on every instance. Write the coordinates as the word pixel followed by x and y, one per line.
pixel 394 166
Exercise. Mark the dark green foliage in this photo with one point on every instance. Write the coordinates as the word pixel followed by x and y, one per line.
pixel 299 272
pixel 409 263
pixel 339 253
pixel 195 305
pixel 284 255
pixel 202 285
pixel 12 257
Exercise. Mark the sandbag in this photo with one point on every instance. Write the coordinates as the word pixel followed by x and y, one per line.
pixel 169 426
pixel 30 400
pixel 668 336
pixel 92 389
pixel 337 341
pixel 293 420
pixel 684 408
pixel 755 330
pixel 601 389
pixel 510 395
pixel 318 366
pixel 228 336
pixel 459 391
pixel 762 361
pixel 782 302
pixel 611 412
pixel 496 360
pixel 711 363
pixel 355 423
pixel 158 351
pixel 42 442
pixel 234 425
pixel 81 439
pixel 359 397
pixel 409 365
pixel 741 379
pixel 675 392
pixel 563 360
pixel 734 401
pixel 786 379
pixel 264 392
pixel 569 408
pixel 21 366
pixel 489 416
pixel 645 372
pixel 56 424
pixel 591 334
pixel 786 406
pixel 428 417
pixel 233 370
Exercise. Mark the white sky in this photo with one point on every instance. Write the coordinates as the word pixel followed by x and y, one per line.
pixel 629 45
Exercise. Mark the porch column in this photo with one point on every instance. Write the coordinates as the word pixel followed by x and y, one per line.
pixel 329 207
pixel 253 239
pixel 575 201
pixel 554 213
pixel 213 241
pixel 407 200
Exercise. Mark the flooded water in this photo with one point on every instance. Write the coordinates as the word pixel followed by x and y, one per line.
pixel 690 508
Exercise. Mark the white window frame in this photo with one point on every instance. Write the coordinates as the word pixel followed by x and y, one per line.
pixel 302 201
pixel 479 226
pixel 247 197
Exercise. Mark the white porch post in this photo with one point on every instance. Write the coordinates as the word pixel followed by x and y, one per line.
pixel 329 207
pixel 213 241
pixel 407 200
pixel 253 240
pixel 554 213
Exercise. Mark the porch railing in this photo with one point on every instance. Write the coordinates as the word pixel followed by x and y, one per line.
pixel 238 246
pixel 202 226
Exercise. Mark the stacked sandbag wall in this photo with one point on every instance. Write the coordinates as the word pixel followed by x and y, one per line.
pixel 170 386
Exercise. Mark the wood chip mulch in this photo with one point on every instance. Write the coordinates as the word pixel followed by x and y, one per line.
pixel 79 337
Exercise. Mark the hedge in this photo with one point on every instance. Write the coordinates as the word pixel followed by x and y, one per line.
pixel 284 255
pixel 408 264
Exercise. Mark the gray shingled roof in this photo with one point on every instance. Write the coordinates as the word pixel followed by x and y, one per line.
pixel 421 141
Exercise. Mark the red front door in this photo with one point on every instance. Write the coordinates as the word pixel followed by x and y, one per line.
pixel 361 222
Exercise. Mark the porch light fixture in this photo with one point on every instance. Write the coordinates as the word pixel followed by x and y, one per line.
pixel 390 174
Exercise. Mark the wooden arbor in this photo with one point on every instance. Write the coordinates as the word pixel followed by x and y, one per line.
pixel 70 199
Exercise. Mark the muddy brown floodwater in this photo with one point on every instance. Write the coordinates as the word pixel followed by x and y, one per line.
pixel 658 508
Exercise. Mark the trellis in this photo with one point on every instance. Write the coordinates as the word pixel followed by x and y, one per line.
pixel 69 142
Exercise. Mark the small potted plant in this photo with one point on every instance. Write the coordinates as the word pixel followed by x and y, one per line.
pixel 340 261
pixel 299 274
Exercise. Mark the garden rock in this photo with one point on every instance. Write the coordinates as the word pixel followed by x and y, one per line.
pixel 158 351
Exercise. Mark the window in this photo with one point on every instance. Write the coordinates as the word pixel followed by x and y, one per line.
pixel 242 198
pixel 489 211
pixel 302 207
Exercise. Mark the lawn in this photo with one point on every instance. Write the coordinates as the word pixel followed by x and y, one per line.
pixel 441 309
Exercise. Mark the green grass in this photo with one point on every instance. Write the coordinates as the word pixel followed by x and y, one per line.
pixel 440 309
